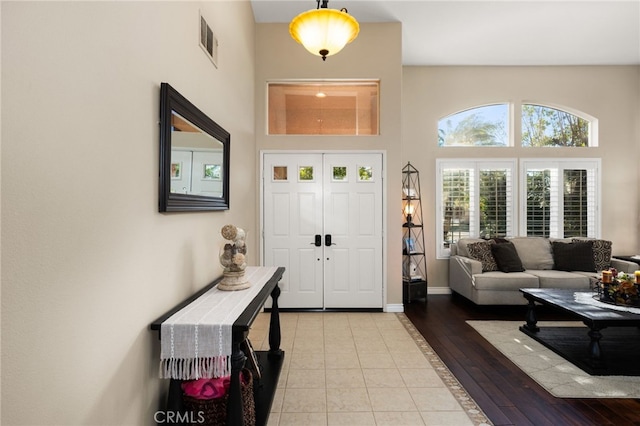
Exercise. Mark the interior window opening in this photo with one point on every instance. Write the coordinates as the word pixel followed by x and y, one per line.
pixel 323 108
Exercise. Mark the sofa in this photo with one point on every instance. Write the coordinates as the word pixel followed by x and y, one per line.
pixel 491 272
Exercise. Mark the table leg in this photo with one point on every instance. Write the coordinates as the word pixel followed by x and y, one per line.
pixel 531 318
pixel 235 407
pixel 175 404
pixel 274 324
pixel 594 345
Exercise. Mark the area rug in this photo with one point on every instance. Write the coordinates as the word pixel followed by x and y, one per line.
pixel 558 376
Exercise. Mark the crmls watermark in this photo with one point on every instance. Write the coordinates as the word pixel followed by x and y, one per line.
pixel 175 417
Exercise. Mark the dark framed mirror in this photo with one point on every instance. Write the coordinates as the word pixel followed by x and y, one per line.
pixel 194 157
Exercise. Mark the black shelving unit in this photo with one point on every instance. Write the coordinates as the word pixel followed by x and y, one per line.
pixel 414 263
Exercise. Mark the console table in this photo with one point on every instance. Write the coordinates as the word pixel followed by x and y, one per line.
pixel 270 362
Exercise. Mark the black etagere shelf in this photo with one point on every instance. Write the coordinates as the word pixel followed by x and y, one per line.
pixel 414 262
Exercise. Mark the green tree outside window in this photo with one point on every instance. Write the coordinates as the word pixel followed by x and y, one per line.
pixel 545 126
pixel 306 173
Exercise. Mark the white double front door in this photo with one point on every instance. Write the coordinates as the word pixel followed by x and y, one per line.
pixel 322 221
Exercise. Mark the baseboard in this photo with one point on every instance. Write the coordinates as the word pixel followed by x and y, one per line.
pixel 394 307
pixel 398 307
pixel 438 290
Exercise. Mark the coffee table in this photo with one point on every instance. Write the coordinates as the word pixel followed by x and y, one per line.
pixel 610 345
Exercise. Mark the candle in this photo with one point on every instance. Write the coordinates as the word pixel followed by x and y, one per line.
pixel 637 275
pixel 607 277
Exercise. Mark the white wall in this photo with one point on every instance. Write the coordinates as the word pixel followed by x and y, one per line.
pixel 610 94
pixel 374 54
pixel 87 260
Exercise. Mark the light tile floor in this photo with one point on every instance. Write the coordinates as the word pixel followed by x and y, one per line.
pixel 358 369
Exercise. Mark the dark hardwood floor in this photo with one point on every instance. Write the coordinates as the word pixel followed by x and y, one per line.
pixel 505 394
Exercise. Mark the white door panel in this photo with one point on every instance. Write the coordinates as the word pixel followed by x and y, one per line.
pixel 353 218
pixel 292 218
pixel 329 199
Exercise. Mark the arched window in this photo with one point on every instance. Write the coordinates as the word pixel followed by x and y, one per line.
pixel 544 126
pixel 482 126
pixel 478 197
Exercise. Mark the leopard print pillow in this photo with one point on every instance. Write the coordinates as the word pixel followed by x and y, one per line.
pixel 481 251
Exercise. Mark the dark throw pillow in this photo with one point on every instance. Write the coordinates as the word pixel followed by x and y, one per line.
pixel 482 251
pixel 506 257
pixel 499 240
pixel 601 253
pixel 576 256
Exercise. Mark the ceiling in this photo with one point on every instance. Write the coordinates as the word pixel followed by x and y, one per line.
pixel 477 32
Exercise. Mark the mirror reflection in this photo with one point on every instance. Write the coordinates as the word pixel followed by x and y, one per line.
pixel 194 157
pixel 196 160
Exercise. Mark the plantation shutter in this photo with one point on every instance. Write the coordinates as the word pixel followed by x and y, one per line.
pixel 579 202
pixel 561 198
pixel 496 202
pixel 457 203
pixel 476 199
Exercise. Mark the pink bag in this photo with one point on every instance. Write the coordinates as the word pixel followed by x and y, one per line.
pixel 207 388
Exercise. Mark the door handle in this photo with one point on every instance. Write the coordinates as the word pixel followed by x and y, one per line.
pixel 318 240
pixel 327 240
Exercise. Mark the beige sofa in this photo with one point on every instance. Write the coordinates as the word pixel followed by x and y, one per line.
pixel 542 268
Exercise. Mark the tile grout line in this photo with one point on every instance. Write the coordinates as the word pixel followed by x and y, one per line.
pixel 457 390
pixel 468 405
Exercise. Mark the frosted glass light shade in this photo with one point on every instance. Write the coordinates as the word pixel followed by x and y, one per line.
pixel 324 32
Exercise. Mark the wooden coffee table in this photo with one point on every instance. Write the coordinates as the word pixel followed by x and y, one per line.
pixel 610 346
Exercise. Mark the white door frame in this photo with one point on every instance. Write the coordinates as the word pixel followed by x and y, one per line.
pixel 383 153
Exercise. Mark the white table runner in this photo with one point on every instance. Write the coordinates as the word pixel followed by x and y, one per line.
pixel 196 340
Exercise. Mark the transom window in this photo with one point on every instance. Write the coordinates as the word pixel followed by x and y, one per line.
pixel 541 126
pixel 323 108
pixel 546 126
pixel 483 126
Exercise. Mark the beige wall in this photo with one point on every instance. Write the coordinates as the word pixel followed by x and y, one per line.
pixel 87 260
pixel 610 94
pixel 375 54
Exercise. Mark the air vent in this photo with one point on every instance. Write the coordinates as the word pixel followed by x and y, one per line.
pixel 208 41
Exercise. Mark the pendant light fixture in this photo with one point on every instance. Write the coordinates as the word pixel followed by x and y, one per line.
pixel 323 31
